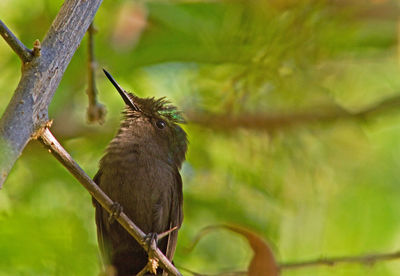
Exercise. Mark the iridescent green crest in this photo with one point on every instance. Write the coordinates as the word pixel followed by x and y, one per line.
pixel 158 107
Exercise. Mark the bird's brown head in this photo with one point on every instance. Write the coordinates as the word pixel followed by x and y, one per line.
pixel 154 125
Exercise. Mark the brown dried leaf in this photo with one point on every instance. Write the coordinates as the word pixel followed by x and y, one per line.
pixel 263 261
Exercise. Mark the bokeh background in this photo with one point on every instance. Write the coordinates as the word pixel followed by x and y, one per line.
pixel 323 186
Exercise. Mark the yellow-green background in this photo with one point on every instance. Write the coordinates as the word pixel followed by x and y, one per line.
pixel 315 190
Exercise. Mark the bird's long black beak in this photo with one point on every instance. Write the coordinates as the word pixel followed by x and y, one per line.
pixel 122 92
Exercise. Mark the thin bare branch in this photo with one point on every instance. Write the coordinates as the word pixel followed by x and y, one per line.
pixel 362 259
pixel 370 259
pixel 96 112
pixel 47 138
pixel 271 122
pixel 19 48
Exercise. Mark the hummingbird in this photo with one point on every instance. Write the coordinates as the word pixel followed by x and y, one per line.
pixel 140 172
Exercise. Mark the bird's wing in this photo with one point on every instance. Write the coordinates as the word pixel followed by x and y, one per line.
pixel 101 237
pixel 176 215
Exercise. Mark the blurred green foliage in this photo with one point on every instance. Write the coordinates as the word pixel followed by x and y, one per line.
pixel 326 189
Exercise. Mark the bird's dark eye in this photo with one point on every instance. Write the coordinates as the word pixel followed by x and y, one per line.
pixel 161 124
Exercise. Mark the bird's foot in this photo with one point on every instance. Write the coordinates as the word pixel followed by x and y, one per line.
pixel 151 240
pixel 116 210
pixel 155 237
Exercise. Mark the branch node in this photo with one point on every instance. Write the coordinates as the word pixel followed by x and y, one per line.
pixel 96 113
pixel 41 129
pixel 36 48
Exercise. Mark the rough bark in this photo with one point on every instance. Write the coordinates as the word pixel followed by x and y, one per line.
pixel 28 108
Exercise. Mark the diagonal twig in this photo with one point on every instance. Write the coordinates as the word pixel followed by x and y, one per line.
pixel 47 138
pixel 19 48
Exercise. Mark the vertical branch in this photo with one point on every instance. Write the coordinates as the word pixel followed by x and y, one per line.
pixel 28 109
pixel 95 112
